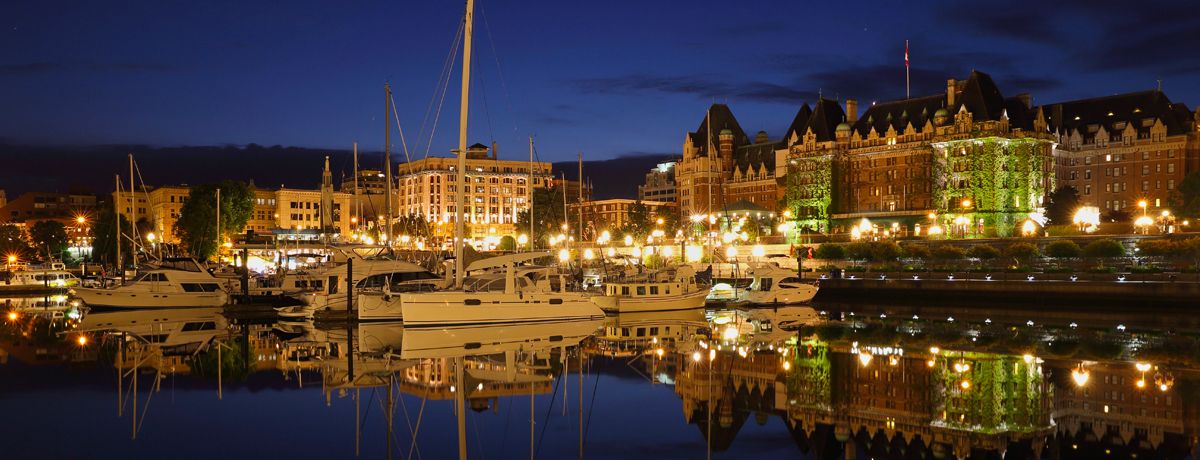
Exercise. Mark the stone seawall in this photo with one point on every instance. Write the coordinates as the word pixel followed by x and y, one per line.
pixel 1133 294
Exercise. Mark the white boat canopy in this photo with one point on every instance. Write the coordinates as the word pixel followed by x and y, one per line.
pixel 506 260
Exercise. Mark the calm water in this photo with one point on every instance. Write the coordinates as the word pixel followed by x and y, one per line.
pixel 834 381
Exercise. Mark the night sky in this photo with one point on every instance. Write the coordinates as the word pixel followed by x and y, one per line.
pixel 606 78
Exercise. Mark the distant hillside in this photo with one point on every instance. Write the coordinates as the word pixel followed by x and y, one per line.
pixel 615 178
pixel 91 169
pixel 42 168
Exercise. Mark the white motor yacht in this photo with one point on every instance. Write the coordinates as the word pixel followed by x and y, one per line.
pixel 666 290
pixel 24 278
pixel 493 293
pixel 769 285
pixel 179 284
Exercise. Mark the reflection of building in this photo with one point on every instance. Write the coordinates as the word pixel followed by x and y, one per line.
pixel 496 194
pixel 1119 150
pixel 1112 412
pixel 733 387
pixel 660 184
pixel 880 398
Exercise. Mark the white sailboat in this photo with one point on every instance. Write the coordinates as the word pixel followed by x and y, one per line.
pixel 496 294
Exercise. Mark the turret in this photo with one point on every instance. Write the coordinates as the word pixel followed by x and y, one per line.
pixel 951 86
pixel 851 111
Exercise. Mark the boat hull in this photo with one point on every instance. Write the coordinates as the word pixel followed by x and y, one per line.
pixel 110 298
pixel 456 308
pixel 782 296
pixel 618 304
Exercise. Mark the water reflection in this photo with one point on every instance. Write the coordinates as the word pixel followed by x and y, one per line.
pixel 835 381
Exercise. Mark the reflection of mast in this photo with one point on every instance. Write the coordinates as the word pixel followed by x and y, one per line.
pixel 460 400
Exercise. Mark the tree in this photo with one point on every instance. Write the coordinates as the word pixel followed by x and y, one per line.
pixel 948 252
pixel 916 251
pixel 1187 195
pixel 830 251
pixel 983 252
pixel 13 242
pixel 639 224
pixel 1063 249
pixel 1022 251
pixel 49 238
pixel 547 215
pixel 1104 248
pixel 104 234
pixel 197 226
pixel 1062 205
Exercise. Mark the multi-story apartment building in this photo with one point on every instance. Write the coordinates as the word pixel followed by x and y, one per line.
pixel 660 184
pixel 38 206
pixel 1118 151
pixel 284 212
pixel 612 214
pixel 969 154
pixel 498 190
pixel 725 168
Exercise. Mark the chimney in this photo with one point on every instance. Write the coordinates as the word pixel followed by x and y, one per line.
pixel 495 154
pixel 851 111
pixel 950 89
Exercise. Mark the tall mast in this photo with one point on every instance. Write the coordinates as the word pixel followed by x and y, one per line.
pixel 357 203
pixel 579 240
pixel 530 194
pixel 117 214
pixel 469 19
pixel 133 211
pixel 387 162
pixel 218 251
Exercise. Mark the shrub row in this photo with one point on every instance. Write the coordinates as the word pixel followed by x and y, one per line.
pixel 886 251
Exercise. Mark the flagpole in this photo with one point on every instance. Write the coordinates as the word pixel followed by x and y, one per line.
pixel 907 91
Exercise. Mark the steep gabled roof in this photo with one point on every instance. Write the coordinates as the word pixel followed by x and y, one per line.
pixel 982 97
pixel 1132 108
pixel 799 122
pixel 824 120
pixel 754 155
pixel 897 114
pixel 722 118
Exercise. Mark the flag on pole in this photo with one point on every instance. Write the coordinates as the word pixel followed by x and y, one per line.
pixel 907 91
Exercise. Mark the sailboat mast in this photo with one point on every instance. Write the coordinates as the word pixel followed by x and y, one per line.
pixel 387 162
pixel 580 203
pixel 117 215
pixel 357 203
pixel 530 194
pixel 469 19
pixel 133 210
pixel 218 251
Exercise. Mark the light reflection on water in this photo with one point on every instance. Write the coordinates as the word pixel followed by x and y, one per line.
pixel 884 382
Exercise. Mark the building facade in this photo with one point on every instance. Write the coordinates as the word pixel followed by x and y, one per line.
pixel 612 214
pixel 498 190
pixel 969 157
pixel 659 184
pixel 1118 151
pixel 725 167
pixel 38 206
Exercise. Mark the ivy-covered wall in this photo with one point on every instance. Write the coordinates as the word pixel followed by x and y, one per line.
pixel 1003 393
pixel 809 194
pixel 1004 179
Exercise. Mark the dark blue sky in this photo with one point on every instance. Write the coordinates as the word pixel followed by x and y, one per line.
pixel 609 78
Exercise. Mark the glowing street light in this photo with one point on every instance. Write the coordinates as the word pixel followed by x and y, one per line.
pixel 1029 228
pixel 564 255
pixel 522 239
pixel 628 240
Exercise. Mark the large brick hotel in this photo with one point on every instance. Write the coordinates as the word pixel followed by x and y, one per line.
pixel 970 151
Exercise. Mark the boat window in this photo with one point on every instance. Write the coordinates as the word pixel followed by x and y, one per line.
pixel 199 326
pixel 162 277
pixel 641 290
pixel 333 285
pixel 210 287
pixel 792 280
pixel 653 290
pixel 764 284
